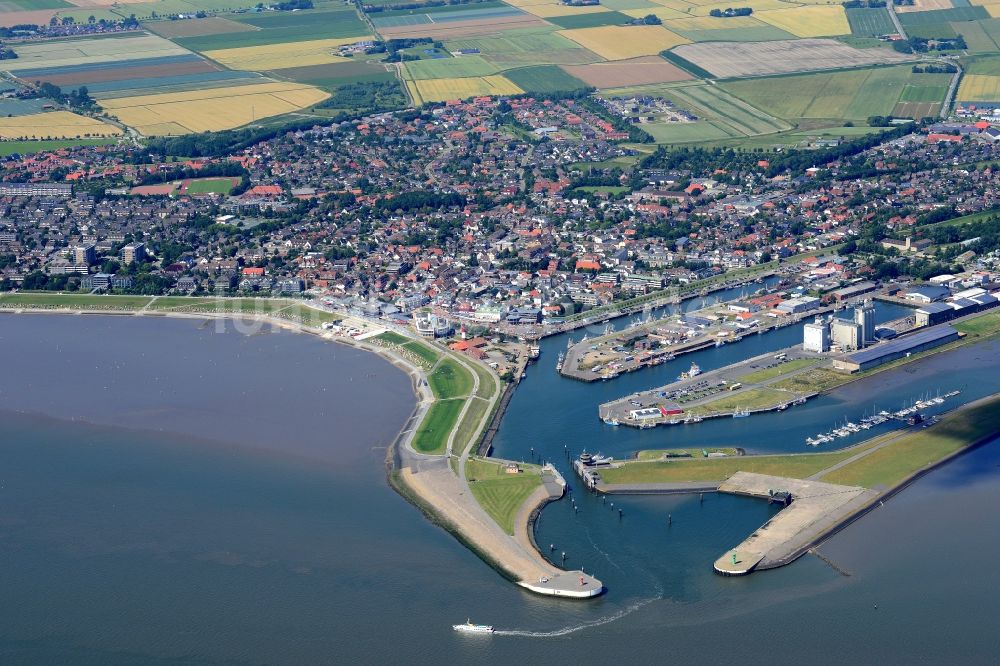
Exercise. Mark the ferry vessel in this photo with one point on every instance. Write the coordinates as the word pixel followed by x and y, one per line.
pixel 470 628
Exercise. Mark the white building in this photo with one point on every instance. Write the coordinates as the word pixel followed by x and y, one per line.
pixel 816 336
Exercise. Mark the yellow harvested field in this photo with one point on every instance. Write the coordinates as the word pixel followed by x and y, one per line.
pixel 813 21
pixel 551 9
pixel 991 6
pixel 679 5
pixel 54 125
pixel 925 6
pixel 61 53
pixel 443 90
pixel 212 109
pixel 979 88
pixel 621 42
pixel 711 23
pixel 282 56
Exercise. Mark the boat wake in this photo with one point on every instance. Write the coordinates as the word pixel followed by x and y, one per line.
pixel 628 610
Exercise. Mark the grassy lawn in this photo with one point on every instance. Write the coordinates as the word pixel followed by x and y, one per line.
pixel 61 300
pixel 794 465
pixel 778 370
pixel 467 428
pixel 757 398
pixel 486 386
pixel 422 351
pixel 167 302
pixel 392 338
pixel 500 494
pixel 212 186
pixel 657 454
pixel 911 453
pixel 983 325
pixel 432 435
pixel 818 379
pixel 450 380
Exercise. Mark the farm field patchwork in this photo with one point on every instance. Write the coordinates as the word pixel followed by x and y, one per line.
pixel 635 72
pixel 280 56
pixel 488 26
pixel 553 9
pixel 460 67
pixel 54 125
pixel 624 42
pixel 211 109
pixel 525 47
pixel 813 21
pixel 738 59
pixel 846 95
pixel 443 90
pixel 283 27
pixel 90 74
pixel 211 25
pixel 977 38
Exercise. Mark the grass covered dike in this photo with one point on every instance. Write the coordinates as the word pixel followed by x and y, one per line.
pixel 501 494
pixel 902 455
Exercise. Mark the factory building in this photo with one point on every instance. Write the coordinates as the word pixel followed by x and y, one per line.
pixel 816 336
pixel 864 316
pixel 900 347
pixel 847 335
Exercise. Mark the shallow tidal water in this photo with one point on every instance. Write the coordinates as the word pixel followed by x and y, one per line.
pixel 174 494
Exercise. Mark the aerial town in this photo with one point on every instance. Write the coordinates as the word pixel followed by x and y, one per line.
pixel 499 215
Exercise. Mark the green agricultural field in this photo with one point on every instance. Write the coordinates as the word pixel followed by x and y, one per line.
pixel 450 68
pixel 500 494
pixel 778 370
pixel 424 352
pixel 29 147
pixel 171 302
pixel 332 76
pixel 30 5
pixel 761 33
pixel 985 65
pixel 926 88
pixel 976 36
pixel 450 380
pixel 942 16
pixel 530 46
pixel 544 79
pixel 846 95
pixel 913 452
pixel 432 435
pixel 931 30
pixel 282 27
pixel 866 22
pixel 45 300
pixel 728 111
pixel 696 132
pixel 593 20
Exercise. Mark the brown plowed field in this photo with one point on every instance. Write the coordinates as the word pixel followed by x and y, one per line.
pixel 454 29
pixel 125 72
pixel 916 110
pixel 213 25
pixel 635 72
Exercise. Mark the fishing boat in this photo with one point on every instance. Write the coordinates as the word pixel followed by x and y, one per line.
pixel 559 362
pixel 470 628
pixel 741 413
pixel 610 421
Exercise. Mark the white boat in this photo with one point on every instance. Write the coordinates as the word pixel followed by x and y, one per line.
pixel 610 421
pixel 470 628
pixel 599 459
pixel 741 413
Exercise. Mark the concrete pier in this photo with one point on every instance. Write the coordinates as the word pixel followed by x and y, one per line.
pixel 816 509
